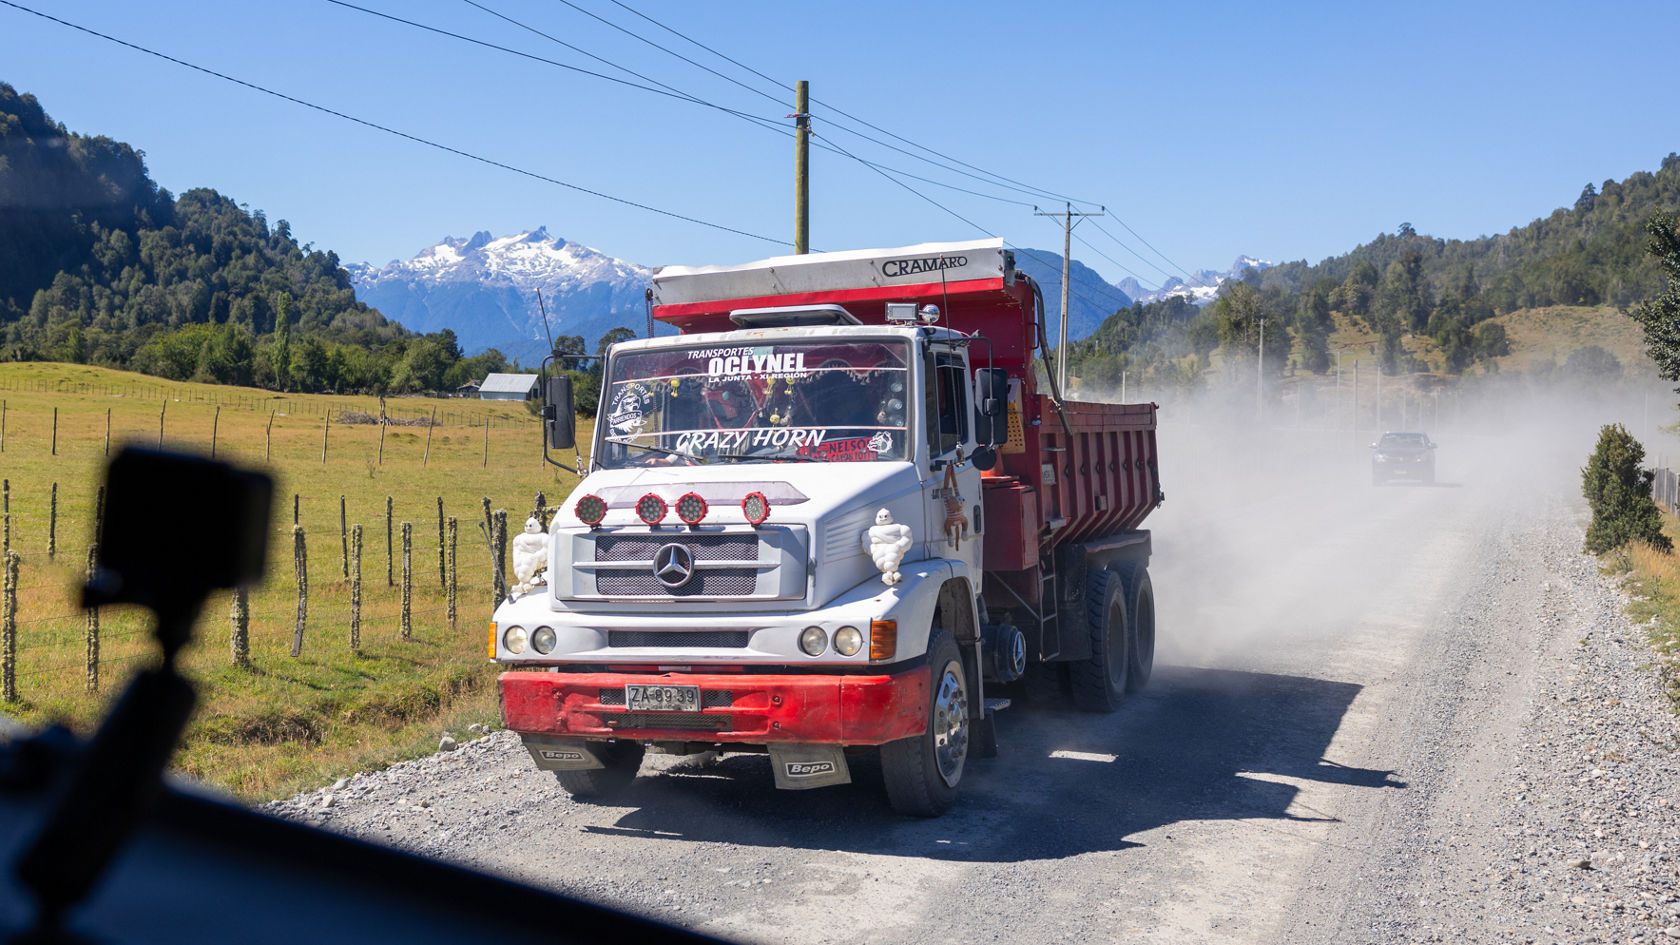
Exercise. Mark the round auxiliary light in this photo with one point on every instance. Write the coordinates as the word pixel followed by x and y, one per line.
pixel 590 510
pixel 691 508
pixel 755 507
pixel 542 640
pixel 651 508
pixel 848 641
pixel 513 639
pixel 813 641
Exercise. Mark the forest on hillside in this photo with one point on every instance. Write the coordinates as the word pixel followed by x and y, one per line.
pixel 1403 284
pixel 106 268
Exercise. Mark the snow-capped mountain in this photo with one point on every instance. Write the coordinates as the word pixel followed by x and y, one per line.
pixel 1202 287
pixel 485 290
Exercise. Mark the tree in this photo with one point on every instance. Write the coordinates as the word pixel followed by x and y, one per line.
pixel 1593 366
pixel 1660 316
pixel 282 337
pixel 1490 341
pixel 1619 493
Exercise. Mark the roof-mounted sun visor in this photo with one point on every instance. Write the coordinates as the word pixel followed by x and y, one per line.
pixel 703 298
pixel 788 316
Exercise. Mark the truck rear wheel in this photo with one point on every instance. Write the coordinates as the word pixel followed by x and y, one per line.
pixel 1100 681
pixel 1140 604
pixel 922 772
pixel 622 760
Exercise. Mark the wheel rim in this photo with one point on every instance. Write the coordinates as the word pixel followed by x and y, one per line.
pixel 1018 653
pixel 950 725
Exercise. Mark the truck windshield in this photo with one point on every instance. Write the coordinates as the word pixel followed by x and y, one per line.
pixel 814 401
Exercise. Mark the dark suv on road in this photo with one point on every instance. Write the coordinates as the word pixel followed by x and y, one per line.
pixel 1402 456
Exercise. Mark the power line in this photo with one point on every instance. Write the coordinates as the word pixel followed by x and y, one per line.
pixel 999 180
pixel 400 134
pixel 1106 256
pixel 1181 270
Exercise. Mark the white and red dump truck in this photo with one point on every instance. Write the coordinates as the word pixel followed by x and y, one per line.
pixel 821 519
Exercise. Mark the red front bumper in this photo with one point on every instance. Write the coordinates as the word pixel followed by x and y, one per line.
pixel 737 707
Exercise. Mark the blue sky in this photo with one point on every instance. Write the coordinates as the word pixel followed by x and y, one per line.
pixel 1210 129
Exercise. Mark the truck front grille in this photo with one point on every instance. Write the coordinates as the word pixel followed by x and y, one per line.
pixel 705 546
pixel 722 582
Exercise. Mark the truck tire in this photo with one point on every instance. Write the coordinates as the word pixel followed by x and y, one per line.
pixel 622 760
pixel 1099 682
pixel 1140 604
pixel 922 772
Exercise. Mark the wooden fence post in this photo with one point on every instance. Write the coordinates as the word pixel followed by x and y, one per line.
pixel 388 580
pixel 487 442
pixel 356 589
pixel 8 629
pixel 381 431
pixel 542 513
pixel 161 411
pixel 343 537
pixel 2 426
pixel 215 425
pixel 55 432
pixel 428 454
pixel 92 626
pixel 107 431
pixel 268 437
pixel 443 575
pixel 326 425
pixel 52 526
pixel 450 590
pixel 300 565
pixel 6 515
pixel 239 641
pixel 294 508
pixel 498 539
pixel 408 580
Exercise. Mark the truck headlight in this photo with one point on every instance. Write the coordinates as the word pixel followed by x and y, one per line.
pixel 513 640
pixel 813 641
pixel 848 641
pixel 542 640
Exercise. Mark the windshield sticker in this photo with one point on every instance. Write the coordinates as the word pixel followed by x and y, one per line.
pixel 881 442
pixel 733 441
pixel 851 450
pixel 758 364
pixel 625 418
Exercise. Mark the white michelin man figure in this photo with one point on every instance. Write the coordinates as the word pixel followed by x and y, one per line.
pixel 887 542
pixel 530 555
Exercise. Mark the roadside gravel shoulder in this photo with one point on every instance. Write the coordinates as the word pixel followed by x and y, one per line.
pixel 1544 803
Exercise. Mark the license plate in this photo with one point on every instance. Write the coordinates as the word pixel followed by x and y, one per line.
pixel 638 698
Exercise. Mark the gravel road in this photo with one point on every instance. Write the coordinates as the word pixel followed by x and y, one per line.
pixel 1386 715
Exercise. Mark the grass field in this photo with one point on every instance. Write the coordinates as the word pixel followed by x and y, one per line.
pixel 284 723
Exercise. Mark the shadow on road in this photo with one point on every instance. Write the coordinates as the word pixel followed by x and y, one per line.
pixel 1199 744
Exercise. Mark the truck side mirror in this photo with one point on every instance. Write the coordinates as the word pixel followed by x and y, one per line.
pixel 991 406
pixel 559 420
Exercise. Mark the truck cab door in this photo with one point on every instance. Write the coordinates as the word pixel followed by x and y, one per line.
pixel 950 489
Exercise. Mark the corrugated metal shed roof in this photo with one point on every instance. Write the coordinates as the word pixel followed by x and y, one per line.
pixel 507 383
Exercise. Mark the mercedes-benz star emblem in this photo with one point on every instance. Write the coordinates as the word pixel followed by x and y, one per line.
pixel 673 565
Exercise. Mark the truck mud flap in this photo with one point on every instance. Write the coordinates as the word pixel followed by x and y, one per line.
pixel 799 767
pixel 561 754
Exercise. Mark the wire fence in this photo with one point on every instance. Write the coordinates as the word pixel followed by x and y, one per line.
pixel 415 410
pixel 46 636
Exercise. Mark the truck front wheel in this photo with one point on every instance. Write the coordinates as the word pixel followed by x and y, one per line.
pixel 922 772
pixel 1099 682
pixel 622 760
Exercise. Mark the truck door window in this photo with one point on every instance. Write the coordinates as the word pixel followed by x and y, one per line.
pixel 947 403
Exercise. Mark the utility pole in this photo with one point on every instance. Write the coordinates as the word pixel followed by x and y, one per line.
pixel 1260 377
pixel 1067 216
pixel 802 168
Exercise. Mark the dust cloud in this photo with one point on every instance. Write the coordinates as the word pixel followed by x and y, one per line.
pixel 1274 542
